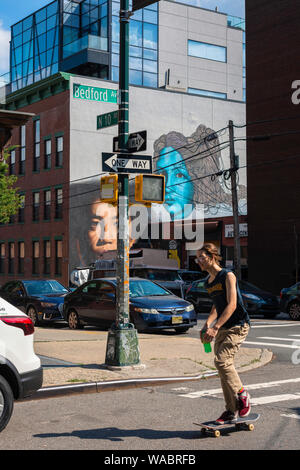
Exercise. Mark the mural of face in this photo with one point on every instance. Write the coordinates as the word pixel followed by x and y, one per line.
pixel 102 233
pixel 179 187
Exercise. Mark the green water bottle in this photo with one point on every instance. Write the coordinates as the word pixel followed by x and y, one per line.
pixel 207 346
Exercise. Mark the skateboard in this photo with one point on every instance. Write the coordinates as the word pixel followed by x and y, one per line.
pixel 242 423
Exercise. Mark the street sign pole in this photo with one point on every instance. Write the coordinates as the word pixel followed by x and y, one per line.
pixel 122 346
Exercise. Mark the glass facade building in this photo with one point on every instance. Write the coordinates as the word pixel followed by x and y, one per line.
pixel 82 37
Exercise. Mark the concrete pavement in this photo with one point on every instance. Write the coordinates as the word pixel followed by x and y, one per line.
pixel 80 358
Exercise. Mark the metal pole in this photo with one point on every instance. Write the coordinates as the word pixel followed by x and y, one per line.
pixel 123 232
pixel 122 345
pixel 235 207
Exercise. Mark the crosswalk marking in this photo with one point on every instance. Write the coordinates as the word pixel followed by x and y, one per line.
pixel 215 391
pixel 292 415
pixel 269 325
pixel 273 344
pixel 274 398
pixel 279 339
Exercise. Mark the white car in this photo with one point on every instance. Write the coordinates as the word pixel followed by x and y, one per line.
pixel 21 373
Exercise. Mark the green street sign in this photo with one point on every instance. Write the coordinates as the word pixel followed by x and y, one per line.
pixel 90 93
pixel 108 119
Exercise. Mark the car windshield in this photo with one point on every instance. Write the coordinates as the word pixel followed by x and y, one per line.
pixel 145 289
pixel 44 287
pixel 160 275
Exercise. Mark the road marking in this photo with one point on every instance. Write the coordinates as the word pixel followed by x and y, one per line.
pixel 257 386
pixel 279 339
pixel 272 344
pixel 274 398
pixel 291 416
pixel 273 325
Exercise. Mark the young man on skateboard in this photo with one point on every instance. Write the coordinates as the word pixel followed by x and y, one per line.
pixel 228 324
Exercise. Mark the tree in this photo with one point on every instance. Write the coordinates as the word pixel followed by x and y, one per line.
pixel 9 197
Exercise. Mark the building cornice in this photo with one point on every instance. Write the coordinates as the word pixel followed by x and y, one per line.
pixel 38 91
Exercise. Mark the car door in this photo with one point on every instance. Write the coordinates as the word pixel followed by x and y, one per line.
pixel 104 306
pixel 18 296
pixel 86 301
pixel 7 291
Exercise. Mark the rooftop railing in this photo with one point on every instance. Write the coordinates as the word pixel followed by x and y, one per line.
pixel 86 42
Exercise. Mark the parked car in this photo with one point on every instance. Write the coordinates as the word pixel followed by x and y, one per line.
pixel 151 306
pixel 21 373
pixel 165 277
pixel 256 300
pixel 188 277
pixel 41 300
pixel 198 296
pixel 290 301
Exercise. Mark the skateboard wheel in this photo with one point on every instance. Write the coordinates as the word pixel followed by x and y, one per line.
pixel 217 434
pixel 251 427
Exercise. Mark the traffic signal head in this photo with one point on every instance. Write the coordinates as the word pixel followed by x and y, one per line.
pixel 109 189
pixel 150 189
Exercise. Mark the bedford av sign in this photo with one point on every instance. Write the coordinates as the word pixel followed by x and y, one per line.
pixel 104 95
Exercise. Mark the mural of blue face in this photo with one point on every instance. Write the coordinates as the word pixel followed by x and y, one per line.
pixel 179 187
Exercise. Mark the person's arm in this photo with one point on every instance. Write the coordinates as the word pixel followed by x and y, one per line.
pixel 210 319
pixel 231 296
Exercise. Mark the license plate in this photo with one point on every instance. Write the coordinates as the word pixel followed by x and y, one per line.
pixel 176 320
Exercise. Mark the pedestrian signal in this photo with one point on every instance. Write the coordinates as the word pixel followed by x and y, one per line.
pixel 150 189
pixel 109 189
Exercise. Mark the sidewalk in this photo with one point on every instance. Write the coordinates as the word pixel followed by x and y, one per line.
pixel 162 356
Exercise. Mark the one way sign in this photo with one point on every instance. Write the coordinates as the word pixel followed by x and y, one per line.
pixel 126 163
pixel 137 142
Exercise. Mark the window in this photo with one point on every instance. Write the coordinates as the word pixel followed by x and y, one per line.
pixel 35 257
pixel 12 164
pixel 47 162
pixel 22 150
pixel 21 212
pixel 37 136
pixel 47 257
pixel 36 207
pixel 58 203
pixel 59 151
pixel 2 258
pixel 207 51
pixel 21 256
pixel 58 257
pixel 47 204
pixel 11 257
pixel 211 94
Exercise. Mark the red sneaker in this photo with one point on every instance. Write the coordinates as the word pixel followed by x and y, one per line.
pixel 244 404
pixel 227 418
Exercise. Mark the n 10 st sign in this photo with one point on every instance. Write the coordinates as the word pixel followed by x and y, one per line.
pixel 108 120
pixel 104 95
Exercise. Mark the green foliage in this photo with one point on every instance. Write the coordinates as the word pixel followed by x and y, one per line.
pixel 9 197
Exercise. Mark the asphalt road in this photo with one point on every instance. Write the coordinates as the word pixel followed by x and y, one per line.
pixel 161 418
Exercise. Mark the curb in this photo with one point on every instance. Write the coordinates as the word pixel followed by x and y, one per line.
pixel 113 385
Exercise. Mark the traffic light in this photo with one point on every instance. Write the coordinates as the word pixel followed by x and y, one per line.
pixel 149 189
pixel 109 189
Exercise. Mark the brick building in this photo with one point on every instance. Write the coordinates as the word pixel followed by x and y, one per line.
pixel 273 180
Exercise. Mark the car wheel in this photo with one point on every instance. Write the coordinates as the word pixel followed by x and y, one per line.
pixel 294 311
pixel 73 320
pixel 6 403
pixel 32 313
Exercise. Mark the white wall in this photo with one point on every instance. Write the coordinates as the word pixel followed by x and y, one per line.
pixel 177 24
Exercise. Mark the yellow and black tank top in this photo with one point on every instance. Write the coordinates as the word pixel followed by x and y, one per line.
pixel 217 292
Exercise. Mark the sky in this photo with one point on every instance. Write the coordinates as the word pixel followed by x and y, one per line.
pixel 12 11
